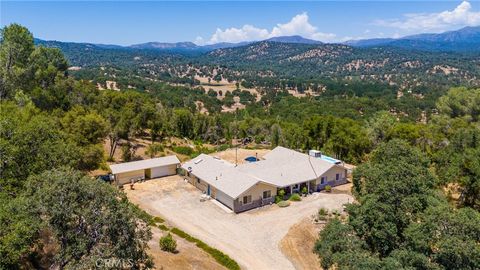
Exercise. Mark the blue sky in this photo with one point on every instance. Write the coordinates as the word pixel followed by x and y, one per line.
pixel 233 21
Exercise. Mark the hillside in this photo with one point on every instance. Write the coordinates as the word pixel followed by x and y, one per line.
pixel 381 64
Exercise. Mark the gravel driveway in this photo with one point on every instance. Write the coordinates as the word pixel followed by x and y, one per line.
pixel 252 238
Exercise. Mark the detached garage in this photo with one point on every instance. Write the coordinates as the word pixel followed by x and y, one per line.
pixel 127 172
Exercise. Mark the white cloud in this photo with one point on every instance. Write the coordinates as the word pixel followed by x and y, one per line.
pixel 462 15
pixel 247 32
pixel 298 25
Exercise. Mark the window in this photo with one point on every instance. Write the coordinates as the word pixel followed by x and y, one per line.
pixel 247 199
pixel 198 180
pixel 323 180
pixel 295 186
pixel 267 194
pixel 337 176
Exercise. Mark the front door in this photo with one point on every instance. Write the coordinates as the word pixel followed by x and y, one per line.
pixel 208 190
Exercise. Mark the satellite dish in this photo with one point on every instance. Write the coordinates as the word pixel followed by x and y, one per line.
pixel 189 169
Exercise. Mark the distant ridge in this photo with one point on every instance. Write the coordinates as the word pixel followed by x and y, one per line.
pixel 294 39
pixel 466 39
pixel 462 40
pixel 165 45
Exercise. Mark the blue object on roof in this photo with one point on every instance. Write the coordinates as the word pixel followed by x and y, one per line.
pixel 330 159
pixel 251 159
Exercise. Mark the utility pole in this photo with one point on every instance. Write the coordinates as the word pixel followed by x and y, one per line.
pixel 236 140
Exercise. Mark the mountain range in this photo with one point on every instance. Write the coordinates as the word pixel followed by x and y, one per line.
pixel 465 39
pixel 462 40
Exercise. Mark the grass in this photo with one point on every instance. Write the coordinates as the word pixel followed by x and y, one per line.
pixel 219 256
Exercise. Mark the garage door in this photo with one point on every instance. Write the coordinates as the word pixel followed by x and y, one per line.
pixel 125 178
pixel 163 171
pixel 224 199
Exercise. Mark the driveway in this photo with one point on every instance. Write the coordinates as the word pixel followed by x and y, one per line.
pixel 252 238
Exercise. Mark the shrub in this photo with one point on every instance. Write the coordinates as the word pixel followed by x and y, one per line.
pixel 127 152
pixel 283 204
pixel 223 147
pixel 167 243
pixel 295 197
pixel 328 188
pixel 162 227
pixel 322 212
pixel 281 193
pixel 183 150
pixel 278 199
pixel 305 190
pixel 154 149
pixel 158 220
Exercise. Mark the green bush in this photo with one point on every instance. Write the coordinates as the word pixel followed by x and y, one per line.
pixel 328 188
pixel 295 197
pixel 322 212
pixel 154 150
pixel 167 243
pixel 158 219
pixel 278 199
pixel 183 150
pixel 304 190
pixel 281 193
pixel 219 256
pixel 223 147
pixel 163 227
pixel 283 204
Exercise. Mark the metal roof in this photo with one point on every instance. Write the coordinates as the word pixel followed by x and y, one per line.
pixel 281 167
pixel 220 174
pixel 144 164
pixel 284 167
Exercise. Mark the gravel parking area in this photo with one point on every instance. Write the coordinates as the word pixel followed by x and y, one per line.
pixel 252 238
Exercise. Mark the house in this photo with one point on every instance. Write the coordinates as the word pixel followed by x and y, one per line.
pixel 144 169
pixel 254 184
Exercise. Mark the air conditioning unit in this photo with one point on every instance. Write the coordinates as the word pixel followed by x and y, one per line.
pixel 315 153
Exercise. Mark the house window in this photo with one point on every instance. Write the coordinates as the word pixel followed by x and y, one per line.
pixel 267 194
pixel 295 186
pixel 337 176
pixel 323 180
pixel 247 199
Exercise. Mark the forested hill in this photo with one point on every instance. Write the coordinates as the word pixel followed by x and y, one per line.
pixel 387 64
pixel 267 60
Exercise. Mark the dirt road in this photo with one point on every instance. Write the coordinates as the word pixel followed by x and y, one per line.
pixel 251 238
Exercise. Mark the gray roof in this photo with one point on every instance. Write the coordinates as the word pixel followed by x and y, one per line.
pixel 283 167
pixel 144 164
pixel 221 174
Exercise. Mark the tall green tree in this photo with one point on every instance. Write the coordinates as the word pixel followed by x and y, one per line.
pixel 16 46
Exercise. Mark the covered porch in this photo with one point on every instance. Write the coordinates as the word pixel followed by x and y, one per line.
pixel 303 187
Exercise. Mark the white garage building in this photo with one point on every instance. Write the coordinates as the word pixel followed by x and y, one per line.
pixel 124 173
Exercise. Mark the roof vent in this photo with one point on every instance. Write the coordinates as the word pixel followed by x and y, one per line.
pixel 198 161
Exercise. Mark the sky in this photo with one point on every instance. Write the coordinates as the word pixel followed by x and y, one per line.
pixel 202 22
